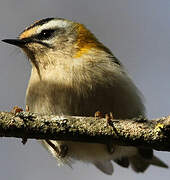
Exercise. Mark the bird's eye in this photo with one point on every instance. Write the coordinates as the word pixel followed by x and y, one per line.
pixel 46 34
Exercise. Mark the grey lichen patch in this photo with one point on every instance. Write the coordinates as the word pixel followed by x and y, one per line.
pixel 153 134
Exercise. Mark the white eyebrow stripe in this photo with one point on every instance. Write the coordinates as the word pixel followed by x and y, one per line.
pixel 53 24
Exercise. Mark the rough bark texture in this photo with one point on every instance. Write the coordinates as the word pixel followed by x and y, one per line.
pixel 136 132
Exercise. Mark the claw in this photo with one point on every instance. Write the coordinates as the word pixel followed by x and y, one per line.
pixel 109 118
pixel 98 115
pixel 16 109
pixel 110 146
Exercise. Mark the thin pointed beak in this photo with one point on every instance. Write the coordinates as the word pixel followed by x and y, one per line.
pixel 16 42
pixel 23 42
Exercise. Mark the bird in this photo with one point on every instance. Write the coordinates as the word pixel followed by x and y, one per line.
pixel 73 73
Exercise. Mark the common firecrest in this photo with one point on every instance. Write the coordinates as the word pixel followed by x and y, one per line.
pixel 73 73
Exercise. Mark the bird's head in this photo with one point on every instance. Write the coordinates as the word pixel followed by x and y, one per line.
pixel 62 45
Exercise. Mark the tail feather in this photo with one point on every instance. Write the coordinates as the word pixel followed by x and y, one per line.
pixel 157 162
pixel 140 164
pixel 104 166
pixel 124 162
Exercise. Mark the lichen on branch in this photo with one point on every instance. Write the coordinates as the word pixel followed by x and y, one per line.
pixel 128 132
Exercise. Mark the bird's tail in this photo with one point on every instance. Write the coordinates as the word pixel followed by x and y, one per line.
pixel 139 164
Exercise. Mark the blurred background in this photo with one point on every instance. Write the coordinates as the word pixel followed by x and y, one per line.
pixel 138 33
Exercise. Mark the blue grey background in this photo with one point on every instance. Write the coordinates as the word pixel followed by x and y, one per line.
pixel 138 33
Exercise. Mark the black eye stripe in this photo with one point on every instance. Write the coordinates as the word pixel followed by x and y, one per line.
pixel 48 33
pixel 45 34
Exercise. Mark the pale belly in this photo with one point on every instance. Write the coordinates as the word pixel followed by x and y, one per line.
pixel 69 103
pixel 91 152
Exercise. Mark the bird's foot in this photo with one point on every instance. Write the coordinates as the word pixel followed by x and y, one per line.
pixel 16 110
pixel 109 119
pixel 98 115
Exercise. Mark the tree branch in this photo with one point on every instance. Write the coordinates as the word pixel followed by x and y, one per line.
pixel 136 132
